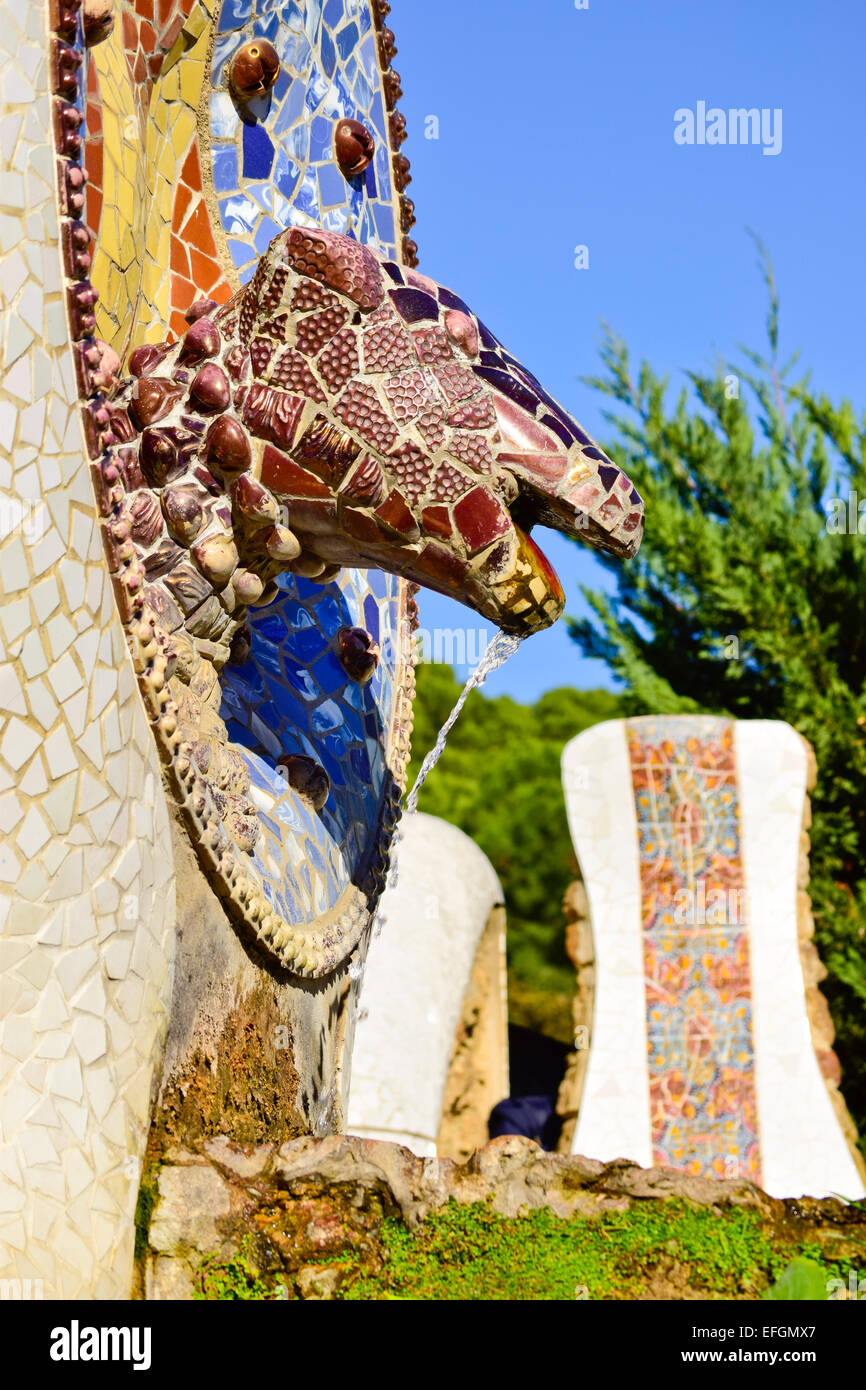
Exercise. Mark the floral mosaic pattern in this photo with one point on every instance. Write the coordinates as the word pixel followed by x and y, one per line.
pixel 696 947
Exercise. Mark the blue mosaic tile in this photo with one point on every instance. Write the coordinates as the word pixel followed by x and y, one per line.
pixel 239 215
pixel 360 763
pixel 332 186
pixel 267 27
pixel 225 167
pixel 326 717
pixel 384 222
pixel 317 86
pixel 320 82
pixel 362 91
pixel 234 14
pixel 347 39
pixel 321 138
pixel 354 697
pixel 258 152
pixel 329 55
pixel 286 174
pixel 299 677
pixel 371 616
pixel 267 230
pixel 379 582
pixel 224 47
pixel 312 19
pixel 328 615
pixel 224 118
pixel 329 673
pixel 306 645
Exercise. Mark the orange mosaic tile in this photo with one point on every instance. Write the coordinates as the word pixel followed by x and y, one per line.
pixel 149 31
pixel 196 270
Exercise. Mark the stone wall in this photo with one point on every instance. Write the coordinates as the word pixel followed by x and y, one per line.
pixel 581 952
pixel 478 1074
pixel 303 1220
pixel 252 1052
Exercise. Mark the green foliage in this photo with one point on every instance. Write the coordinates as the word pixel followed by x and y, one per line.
pixel 803 1280
pixel 743 602
pixel 499 781
pixel 654 1248
pixel 228 1280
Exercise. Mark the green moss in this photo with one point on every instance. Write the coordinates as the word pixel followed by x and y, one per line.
pixel 468 1252
pixel 148 1192
pixel 217 1279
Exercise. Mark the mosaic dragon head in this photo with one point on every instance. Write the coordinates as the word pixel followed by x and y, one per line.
pixel 340 409
pixel 288 457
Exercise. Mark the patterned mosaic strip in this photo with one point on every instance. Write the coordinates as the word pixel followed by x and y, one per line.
pixel 696 948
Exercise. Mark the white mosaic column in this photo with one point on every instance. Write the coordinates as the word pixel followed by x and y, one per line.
pixel 614 1114
pixel 416 977
pixel 802 1148
pixel 86 879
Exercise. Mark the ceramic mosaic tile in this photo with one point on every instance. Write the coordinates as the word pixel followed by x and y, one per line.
pixel 701 1056
pixel 415 985
pixel 158 175
pixel 86 878
pixel 696 947
pixel 280 171
pixel 292 696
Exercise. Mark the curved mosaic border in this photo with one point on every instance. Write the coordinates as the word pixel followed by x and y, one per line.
pixel 315 949
pixel 397 126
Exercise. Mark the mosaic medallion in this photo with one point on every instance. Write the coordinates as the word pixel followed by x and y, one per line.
pixel 170 221
pixel 288 421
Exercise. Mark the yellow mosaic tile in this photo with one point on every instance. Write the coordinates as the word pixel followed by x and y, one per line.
pixel 131 265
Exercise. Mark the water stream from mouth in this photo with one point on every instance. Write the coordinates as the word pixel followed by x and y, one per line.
pixel 501 648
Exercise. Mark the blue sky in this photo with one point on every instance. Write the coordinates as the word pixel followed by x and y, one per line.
pixel 555 129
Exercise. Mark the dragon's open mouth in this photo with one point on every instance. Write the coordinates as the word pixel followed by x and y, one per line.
pixel 553 475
